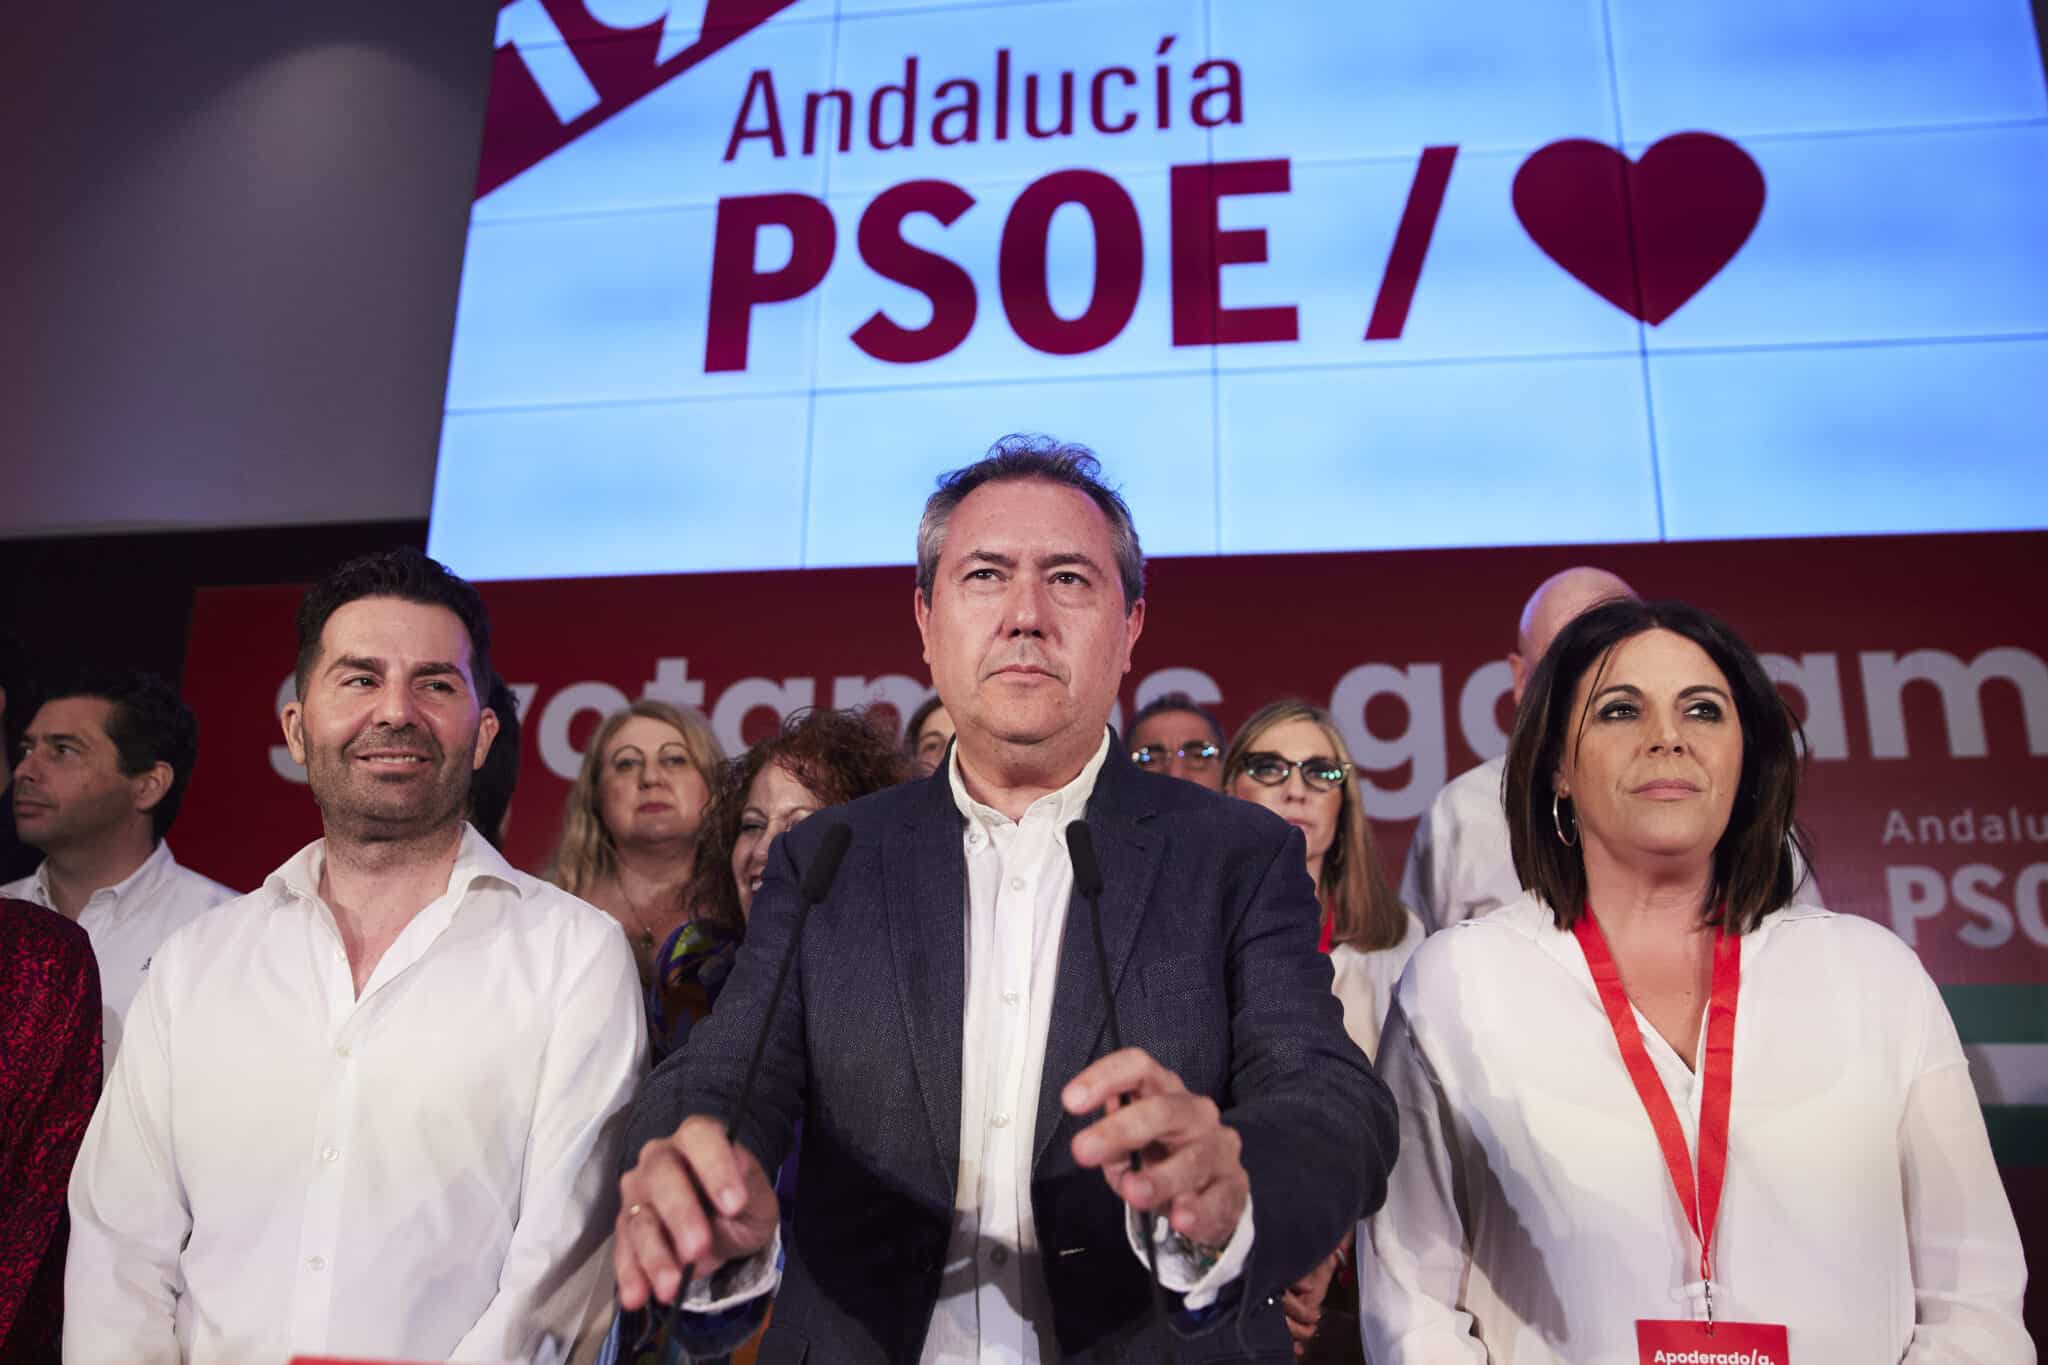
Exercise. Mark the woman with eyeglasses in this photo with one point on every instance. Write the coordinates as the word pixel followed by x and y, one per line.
pixel 1289 758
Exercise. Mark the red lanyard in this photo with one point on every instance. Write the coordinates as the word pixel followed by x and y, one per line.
pixel 1703 1206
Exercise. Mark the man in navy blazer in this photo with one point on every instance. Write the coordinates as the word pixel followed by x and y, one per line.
pixel 951 975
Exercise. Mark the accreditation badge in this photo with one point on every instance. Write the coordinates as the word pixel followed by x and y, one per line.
pixel 1675 1342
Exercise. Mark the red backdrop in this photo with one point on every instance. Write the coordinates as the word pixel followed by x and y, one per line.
pixel 1924 796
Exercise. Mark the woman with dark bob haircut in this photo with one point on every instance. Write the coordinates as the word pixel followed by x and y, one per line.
pixel 1656 1106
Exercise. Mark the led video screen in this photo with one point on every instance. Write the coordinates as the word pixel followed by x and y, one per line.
pixel 743 275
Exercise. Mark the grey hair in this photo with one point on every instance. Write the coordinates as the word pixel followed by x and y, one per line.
pixel 1019 457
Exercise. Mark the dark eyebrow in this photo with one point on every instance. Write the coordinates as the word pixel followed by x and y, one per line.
pixel 357 663
pixel 990 557
pixel 56 737
pixel 1707 688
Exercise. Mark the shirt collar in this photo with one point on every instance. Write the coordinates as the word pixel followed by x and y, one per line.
pixel 475 860
pixel 153 869
pixel 1067 804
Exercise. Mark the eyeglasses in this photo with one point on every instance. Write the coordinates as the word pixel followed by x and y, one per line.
pixel 1321 774
pixel 1201 755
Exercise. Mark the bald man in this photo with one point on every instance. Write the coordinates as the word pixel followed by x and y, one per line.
pixel 1458 862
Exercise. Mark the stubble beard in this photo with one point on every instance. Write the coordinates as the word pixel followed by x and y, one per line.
pixel 356 807
pixel 77 823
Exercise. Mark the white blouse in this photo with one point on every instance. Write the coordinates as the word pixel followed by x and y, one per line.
pixel 1364 983
pixel 1531 1218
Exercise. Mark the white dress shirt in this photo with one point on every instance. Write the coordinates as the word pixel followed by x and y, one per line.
pixel 1460 865
pixel 127 922
pixel 994 1307
pixel 279 1166
pixel 1364 983
pixel 1531 1219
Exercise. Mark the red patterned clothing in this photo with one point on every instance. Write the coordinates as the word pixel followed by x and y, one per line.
pixel 49 1082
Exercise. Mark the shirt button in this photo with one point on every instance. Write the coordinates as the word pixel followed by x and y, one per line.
pixel 1001 1120
pixel 1011 997
pixel 344 1051
pixel 317 1263
pixel 1016 883
pixel 999 1255
pixel 973 836
pixel 328 1154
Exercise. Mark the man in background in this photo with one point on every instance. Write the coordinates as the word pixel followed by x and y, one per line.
pixel 1458 861
pixel 1172 735
pixel 103 769
pixel 490 791
pixel 372 1109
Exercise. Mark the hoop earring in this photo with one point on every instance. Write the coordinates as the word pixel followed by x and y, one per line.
pixel 1557 822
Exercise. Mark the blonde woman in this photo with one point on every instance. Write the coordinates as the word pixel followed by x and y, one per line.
pixel 1290 759
pixel 630 824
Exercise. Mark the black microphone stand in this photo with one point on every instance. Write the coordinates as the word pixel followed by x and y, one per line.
pixel 815 887
pixel 1088 881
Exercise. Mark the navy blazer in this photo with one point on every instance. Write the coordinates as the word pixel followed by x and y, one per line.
pixel 1211 925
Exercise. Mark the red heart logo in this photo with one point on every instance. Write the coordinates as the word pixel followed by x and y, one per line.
pixel 1644 235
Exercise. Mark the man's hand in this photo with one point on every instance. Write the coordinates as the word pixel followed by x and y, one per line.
pixel 1192 1171
pixel 1303 1303
pixel 693 1199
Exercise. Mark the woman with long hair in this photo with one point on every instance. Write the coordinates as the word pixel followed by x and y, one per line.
pixel 819 758
pixel 1290 758
pixel 631 821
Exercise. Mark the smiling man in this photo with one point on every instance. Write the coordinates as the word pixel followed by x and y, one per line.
pixel 966 1188
pixel 373 1108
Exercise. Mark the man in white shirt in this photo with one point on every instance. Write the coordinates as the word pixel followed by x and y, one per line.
pixel 371 1109
pixel 103 768
pixel 946 1040
pixel 1458 862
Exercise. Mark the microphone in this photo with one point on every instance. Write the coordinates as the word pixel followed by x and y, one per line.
pixel 815 886
pixel 1088 882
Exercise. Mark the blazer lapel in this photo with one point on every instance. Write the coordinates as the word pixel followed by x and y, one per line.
pixel 926 878
pixel 1129 855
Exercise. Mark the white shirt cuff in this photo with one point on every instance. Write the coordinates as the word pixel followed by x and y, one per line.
pixel 737 1282
pixel 1178 1268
